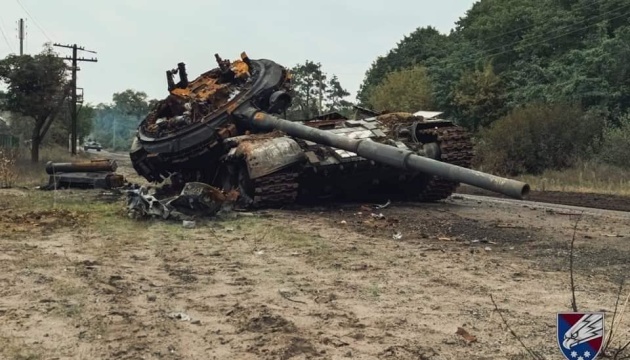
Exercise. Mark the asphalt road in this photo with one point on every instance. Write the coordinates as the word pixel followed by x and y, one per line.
pixel 120 157
pixel 557 208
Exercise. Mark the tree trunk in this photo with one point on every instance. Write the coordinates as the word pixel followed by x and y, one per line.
pixel 307 112
pixel 35 149
pixel 36 140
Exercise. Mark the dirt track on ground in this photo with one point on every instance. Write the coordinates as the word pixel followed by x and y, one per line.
pixel 81 281
pixel 590 200
pixel 303 283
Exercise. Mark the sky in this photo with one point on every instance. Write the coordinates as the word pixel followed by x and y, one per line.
pixel 138 40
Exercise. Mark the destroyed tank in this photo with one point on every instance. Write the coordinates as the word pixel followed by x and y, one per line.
pixel 223 129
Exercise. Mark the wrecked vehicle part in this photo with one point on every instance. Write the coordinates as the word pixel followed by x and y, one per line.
pixel 220 131
pixel 264 156
pixel 194 150
pixel 92 174
pixel 196 199
pixel 99 165
pixel 141 205
pixel 398 158
pixel 84 180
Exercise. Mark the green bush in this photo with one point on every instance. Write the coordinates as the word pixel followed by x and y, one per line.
pixel 407 90
pixel 615 148
pixel 538 137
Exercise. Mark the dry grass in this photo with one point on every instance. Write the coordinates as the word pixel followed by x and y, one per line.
pixel 15 349
pixel 8 171
pixel 17 168
pixel 32 174
pixel 587 177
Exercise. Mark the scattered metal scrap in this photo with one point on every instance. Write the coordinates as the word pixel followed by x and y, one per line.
pixel 94 174
pixel 196 199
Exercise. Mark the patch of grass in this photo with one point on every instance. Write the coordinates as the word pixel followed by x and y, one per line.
pixel 78 201
pixel 375 291
pixel 35 259
pixel 263 232
pixel 19 350
pixel 586 177
pixel 65 289
pixel 290 237
pixel 8 171
pixel 33 174
pixel 68 309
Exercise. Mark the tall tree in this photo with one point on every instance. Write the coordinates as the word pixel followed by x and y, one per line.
pixel 405 90
pixel 479 98
pixel 414 49
pixel 115 123
pixel 309 88
pixel 58 133
pixel 335 94
pixel 131 102
pixel 37 87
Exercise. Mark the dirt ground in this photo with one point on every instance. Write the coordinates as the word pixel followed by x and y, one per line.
pixel 412 281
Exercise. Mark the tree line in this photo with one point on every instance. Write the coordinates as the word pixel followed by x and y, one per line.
pixel 541 84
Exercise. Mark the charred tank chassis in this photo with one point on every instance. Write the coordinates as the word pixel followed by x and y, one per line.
pixel 220 129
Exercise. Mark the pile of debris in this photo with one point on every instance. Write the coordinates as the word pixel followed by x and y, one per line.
pixel 93 174
pixel 195 199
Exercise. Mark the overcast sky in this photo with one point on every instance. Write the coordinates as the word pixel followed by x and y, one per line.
pixel 138 40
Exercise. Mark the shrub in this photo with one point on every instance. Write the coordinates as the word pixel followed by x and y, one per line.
pixel 538 137
pixel 8 172
pixel 615 149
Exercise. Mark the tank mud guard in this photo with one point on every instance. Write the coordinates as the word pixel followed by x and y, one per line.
pixel 267 155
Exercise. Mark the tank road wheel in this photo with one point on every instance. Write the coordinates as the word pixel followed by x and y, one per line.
pixel 455 147
pixel 245 187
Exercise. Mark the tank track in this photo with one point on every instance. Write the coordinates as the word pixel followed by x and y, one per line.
pixel 276 189
pixel 281 188
pixel 456 148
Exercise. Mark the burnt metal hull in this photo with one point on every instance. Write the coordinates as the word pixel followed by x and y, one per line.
pixel 219 129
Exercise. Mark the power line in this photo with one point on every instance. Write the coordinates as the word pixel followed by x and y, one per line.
pixel 75 48
pixel 487 54
pixel 4 35
pixel 539 37
pixel 34 20
pixel 583 7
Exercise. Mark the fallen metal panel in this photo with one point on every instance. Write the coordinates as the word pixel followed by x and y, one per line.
pixel 428 114
pixel 354 123
pixel 363 134
pixel 378 133
pixel 269 155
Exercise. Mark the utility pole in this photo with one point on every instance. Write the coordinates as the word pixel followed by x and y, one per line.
pixel 114 135
pixel 321 95
pixel 73 102
pixel 21 35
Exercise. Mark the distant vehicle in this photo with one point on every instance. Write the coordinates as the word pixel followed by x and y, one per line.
pixel 91 144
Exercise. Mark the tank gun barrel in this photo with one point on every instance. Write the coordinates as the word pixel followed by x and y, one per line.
pixel 382 153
